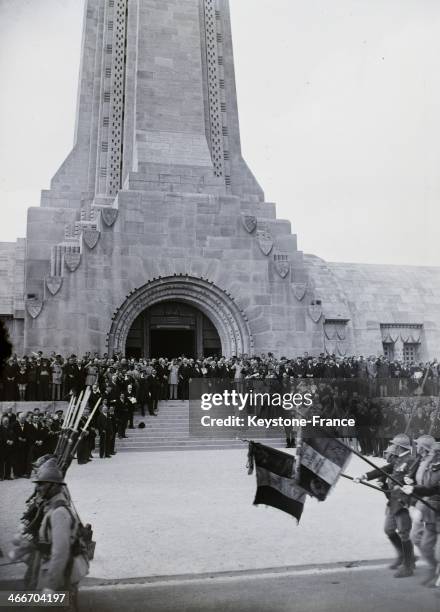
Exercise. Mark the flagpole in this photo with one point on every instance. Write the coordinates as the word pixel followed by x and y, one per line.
pixel 355 452
pixel 366 484
pixel 298 452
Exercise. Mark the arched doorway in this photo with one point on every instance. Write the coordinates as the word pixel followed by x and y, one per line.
pixel 217 306
pixel 171 329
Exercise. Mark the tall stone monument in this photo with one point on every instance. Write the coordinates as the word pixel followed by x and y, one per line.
pixel 155 237
pixel 154 221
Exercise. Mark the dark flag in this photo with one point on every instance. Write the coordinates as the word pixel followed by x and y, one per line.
pixel 276 484
pixel 322 462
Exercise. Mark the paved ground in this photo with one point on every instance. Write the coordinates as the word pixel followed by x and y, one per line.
pixel 364 589
pixel 191 512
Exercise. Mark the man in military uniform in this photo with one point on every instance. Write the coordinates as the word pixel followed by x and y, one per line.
pixel 423 444
pixel 430 490
pixel 397 519
pixel 56 535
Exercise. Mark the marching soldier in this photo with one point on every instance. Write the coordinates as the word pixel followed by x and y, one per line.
pixel 423 446
pixel 55 570
pixel 430 489
pixel 397 519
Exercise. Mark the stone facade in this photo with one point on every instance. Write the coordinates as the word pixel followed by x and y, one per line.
pixel 12 256
pixel 391 305
pixel 156 203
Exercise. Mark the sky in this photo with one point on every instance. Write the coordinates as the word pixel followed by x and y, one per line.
pixel 339 112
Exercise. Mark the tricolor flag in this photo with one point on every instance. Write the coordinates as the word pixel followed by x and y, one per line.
pixel 276 484
pixel 322 462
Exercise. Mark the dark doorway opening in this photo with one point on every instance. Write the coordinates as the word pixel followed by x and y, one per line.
pixel 133 353
pixel 170 329
pixel 172 343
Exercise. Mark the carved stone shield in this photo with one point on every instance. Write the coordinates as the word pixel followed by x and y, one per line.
pixel 72 260
pixel 315 311
pixel 109 215
pixel 90 236
pixel 299 290
pixel 282 264
pixel 34 307
pixel 249 222
pixel 265 240
pixel 54 283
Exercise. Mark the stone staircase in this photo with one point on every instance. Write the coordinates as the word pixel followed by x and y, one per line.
pixel 170 431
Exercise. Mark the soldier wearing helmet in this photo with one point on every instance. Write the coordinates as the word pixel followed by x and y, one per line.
pixel 397 525
pixel 430 490
pixel 56 533
pixel 423 446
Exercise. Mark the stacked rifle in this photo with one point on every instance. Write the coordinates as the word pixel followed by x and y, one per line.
pixel 72 433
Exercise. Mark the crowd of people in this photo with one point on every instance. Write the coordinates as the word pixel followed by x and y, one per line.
pixel 27 436
pixel 355 387
pixel 43 378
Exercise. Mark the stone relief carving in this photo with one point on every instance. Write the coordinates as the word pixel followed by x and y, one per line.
pixel 315 311
pixel 249 223
pixel 299 290
pixel 90 236
pixel 72 259
pixel 109 215
pixel 54 284
pixel 264 237
pixel 34 307
pixel 282 263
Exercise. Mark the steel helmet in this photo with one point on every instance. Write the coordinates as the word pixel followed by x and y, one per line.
pixel 42 460
pixel 49 473
pixel 402 440
pixel 435 448
pixel 425 441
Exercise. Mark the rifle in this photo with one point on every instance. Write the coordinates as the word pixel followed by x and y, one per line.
pixel 65 457
pixel 65 422
pixel 67 425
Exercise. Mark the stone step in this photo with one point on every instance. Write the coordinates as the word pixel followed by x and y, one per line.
pixel 189 447
pixel 170 430
pixel 160 426
pixel 193 444
pixel 182 441
pixel 186 431
pixel 190 443
pixel 160 420
pixel 177 439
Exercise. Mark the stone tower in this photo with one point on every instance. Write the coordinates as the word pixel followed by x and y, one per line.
pixel 154 221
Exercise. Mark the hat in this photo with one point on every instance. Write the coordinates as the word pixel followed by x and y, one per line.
pixel 425 441
pixel 42 460
pixel 402 440
pixel 49 472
